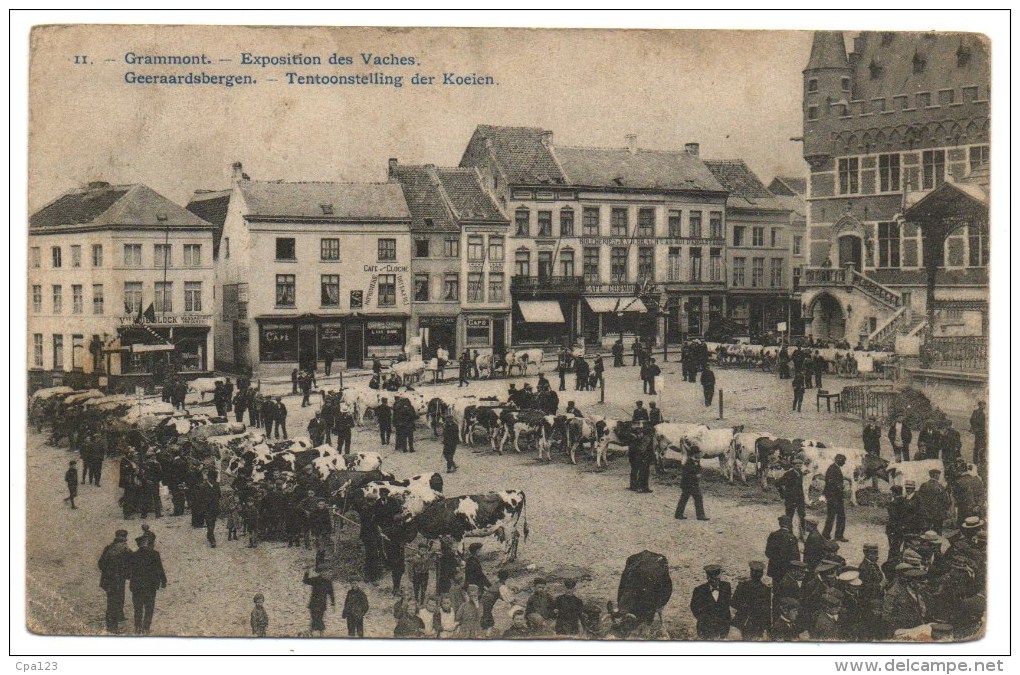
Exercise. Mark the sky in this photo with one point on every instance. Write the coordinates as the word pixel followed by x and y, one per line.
pixel 737 93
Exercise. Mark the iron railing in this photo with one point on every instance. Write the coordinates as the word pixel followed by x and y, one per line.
pixel 547 284
pixel 963 353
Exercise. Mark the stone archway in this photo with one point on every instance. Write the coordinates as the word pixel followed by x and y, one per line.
pixel 827 318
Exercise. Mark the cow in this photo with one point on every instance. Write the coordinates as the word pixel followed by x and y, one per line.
pixel 399 502
pixel 898 473
pixel 204 385
pixel 344 488
pixel 744 448
pixel 669 438
pixel 714 443
pixel 435 410
pixel 581 430
pixel 409 371
pixel 208 430
pixel 361 400
pixel 502 514
pixel 775 453
pixel 612 433
pixel 518 423
pixel 523 358
pixel 328 461
pixel 483 362
pixel 859 466
pixel 489 420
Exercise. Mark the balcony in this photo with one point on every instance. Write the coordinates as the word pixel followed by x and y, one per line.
pixel 962 353
pixel 547 284
pixel 814 277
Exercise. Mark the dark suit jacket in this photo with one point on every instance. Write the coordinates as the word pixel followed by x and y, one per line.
pixel 146 571
pixel 833 482
pixel 872 437
pixel 905 433
pixel 713 615
pixel 791 487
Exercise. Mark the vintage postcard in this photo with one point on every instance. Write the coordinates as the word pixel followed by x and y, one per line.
pixel 495 334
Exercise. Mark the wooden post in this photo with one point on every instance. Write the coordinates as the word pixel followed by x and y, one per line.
pixel 602 389
pixel 720 404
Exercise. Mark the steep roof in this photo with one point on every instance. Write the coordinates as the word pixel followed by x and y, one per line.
pixel 466 196
pixel 520 152
pixel 325 201
pixel 105 205
pixel 211 206
pixel 641 169
pixel 424 199
pixel 788 186
pixel 746 190
pixel 828 50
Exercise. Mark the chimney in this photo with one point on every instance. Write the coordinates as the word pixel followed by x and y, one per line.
pixel 236 173
pixel 433 174
pixel 392 166
pixel 631 143
pixel 547 139
pixel 693 149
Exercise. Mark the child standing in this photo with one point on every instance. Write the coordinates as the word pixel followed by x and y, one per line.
pixel 355 609
pixel 259 617
pixel 233 517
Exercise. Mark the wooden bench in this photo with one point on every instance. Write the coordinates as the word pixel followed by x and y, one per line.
pixel 824 393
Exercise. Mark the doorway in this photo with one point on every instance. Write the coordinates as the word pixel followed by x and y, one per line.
pixel 499 336
pixel 355 347
pixel 694 316
pixel 307 356
pixel 850 251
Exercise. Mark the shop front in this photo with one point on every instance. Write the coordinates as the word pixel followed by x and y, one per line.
pixel 305 342
pixel 543 322
pixel 436 332
pixel 761 315
pixel 608 318
pixel 144 354
pixel 486 332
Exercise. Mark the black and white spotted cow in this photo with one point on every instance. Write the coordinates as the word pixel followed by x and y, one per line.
pixel 499 514
pixel 529 423
pixel 399 502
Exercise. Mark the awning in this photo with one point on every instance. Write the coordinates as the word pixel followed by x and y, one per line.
pixel 541 311
pixel 612 305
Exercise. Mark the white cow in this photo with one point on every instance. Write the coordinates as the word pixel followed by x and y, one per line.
pixel 524 358
pixel 817 460
pixel 408 371
pixel 330 460
pixel 362 399
pixel 744 448
pixel 669 440
pixel 714 443
pixel 583 430
pixel 900 472
pixel 609 439
pixel 204 385
pixel 413 494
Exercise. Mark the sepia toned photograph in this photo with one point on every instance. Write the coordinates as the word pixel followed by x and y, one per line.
pixel 508 334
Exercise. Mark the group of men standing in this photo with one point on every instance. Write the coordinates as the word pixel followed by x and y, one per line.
pixel 143 568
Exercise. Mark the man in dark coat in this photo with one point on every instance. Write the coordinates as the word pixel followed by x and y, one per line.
pixel 328 358
pixel 784 363
pixel 280 416
pixel 835 510
pixel 147 576
pixel 690 487
pixel 355 609
pixel 978 427
pixel 640 413
pixel 268 415
pixel 211 488
pixel 384 415
pixel 322 589
pixel 798 390
pixel 652 371
pixel 473 572
pixel 752 601
pixel 617 353
pixel 871 436
pixel 819 367
pixel 343 423
pixel 451 437
pixel 562 365
pixel 305 382
pixel 654 414
pixel 636 348
pixel 933 501
pixel 581 372
pixel 791 489
pixel 403 422
pixel 710 605
pixel 641 453
pixel 114 568
pixel 896 520
pixel 814 544
pixel 781 549
pixel 708 385
pixel 71 479
pixel 900 437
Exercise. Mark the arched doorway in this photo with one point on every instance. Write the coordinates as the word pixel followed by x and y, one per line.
pixel 828 321
pixel 851 251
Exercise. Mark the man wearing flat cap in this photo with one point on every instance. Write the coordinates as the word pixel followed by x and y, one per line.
pixel 710 605
pixel 871 574
pixel 147 576
pixel 781 548
pixel 904 605
pixel 785 628
pixel 835 511
pixel 114 567
pixel 896 520
pixel 690 486
pixel 933 502
pixel 752 601
pixel 814 544
pixel 791 489
pixel 827 624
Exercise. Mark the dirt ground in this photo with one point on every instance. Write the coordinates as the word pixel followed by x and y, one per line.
pixel 583 523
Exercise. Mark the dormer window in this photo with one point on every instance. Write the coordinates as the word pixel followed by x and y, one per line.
pixel 162 217
pixel 919 63
pixel 875 69
pixel 812 85
pixel 845 83
pixel 327 209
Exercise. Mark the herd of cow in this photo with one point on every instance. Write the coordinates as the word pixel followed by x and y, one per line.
pixel 392 511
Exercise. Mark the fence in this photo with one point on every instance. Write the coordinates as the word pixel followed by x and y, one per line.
pixel 867 400
pixel 964 353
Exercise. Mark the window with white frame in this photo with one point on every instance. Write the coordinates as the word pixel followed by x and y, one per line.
pixel 476 249
pixel 132 297
pixel 757 272
pixel 496 287
pixel 496 248
pixel 739 271
pixel 933 169
pixel 35 257
pixel 57 257
pixel 75 256
pixel 132 255
pixel 387 290
pixel 474 287
pixel 58 299
pixel 58 352
pixel 889 173
pixel 849 176
pixel 192 296
pixel 164 297
pixel 37 350
pixel 97 255
pixel 192 255
pixel 163 256
pixel 98 301
pixel 37 299
pixel 77 299
pixel 889 244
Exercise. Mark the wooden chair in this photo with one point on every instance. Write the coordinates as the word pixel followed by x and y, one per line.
pixel 824 393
